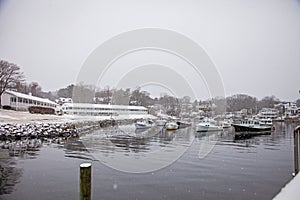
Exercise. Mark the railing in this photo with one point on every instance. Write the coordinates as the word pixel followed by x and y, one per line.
pixel 296 150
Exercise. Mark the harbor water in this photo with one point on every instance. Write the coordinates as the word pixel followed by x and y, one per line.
pixel 156 164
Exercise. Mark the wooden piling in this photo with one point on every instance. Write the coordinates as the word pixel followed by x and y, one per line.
pixel 296 149
pixel 85 181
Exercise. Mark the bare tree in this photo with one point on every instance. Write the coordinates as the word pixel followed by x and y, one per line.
pixel 10 75
pixel 298 102
pixel 83 93
pixel 35 89
pixel 66 92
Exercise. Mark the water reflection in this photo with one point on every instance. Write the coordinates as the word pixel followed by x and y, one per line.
pixel 13 150
pixel 9 173
pixel 206 141
pixel 9 151
pixel 126 149
pixel 74 148
pixel 265 160
pixel 21 148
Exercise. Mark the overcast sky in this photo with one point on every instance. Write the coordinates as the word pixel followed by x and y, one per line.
pixel 254 44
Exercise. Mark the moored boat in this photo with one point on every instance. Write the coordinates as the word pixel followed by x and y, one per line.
pixel 183 124
pixel 171 126
pixel 161 121
pixel 250 125
pixel 266 122
pixel 208 124
pixel 143 124
pixel 226 124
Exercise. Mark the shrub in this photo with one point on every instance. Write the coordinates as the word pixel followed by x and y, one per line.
pixel 7 107
pixel 41 110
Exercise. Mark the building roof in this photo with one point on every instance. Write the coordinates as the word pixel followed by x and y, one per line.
pixel 89 105
pixel 26 96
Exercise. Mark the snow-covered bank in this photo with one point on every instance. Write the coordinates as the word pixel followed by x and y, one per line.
pixel 10 116
pixel 17 125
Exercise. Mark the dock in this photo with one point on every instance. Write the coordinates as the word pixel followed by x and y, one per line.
pixel 290 191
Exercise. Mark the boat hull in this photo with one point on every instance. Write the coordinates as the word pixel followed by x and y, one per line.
pixel 206 128
pixel 241 128
pixel 142 126
pixel 171 126
pixel 182 124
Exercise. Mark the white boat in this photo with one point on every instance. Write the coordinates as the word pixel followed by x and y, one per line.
pixel 143 124
pixel 183 124
pixel 226 123
pixel 208 124
pixel 161 121
pixel 265 122
pixel 171 126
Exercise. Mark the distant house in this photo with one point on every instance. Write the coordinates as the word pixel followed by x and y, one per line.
pixel 266 113
pixel 62 100
pixel 290 109
pixel 21 102
pixel 102 109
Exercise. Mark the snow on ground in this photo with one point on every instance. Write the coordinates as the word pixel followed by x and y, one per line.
pixel 6 116
pixel 11 116
pixel 290 191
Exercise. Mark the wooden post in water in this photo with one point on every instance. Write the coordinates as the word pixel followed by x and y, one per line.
pixel 296 149
pixel 85 181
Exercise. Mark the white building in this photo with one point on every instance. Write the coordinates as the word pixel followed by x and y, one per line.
pixel 269 113
pixel 21 102
pixel 62 100
pixel 290 109
pixel 101 109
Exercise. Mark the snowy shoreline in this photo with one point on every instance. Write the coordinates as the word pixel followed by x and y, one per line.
pixel 18 125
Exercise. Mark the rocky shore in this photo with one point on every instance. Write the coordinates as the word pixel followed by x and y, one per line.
pixel 51 129
pixel 16 125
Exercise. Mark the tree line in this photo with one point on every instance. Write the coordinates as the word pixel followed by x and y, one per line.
pixel 12 78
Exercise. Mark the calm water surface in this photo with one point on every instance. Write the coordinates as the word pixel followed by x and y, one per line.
pixel 171 165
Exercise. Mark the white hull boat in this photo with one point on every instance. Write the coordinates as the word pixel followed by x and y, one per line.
pixel 226 124
pixel 266 122
pixel 171 126
pixel 161 122
pixel 208 125
pixel 143 125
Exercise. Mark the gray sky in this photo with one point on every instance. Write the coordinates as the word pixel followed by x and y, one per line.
pixel 255 44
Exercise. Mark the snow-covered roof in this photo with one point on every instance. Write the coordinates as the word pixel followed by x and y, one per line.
pixel 26 96
pixel 89 105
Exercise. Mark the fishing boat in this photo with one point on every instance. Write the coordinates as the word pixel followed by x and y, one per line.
pixel 250 125
pixel 161 121
pixel 183 124
pixel 171 126
pixel 208 124
pixel 226 124
pixel 143 124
